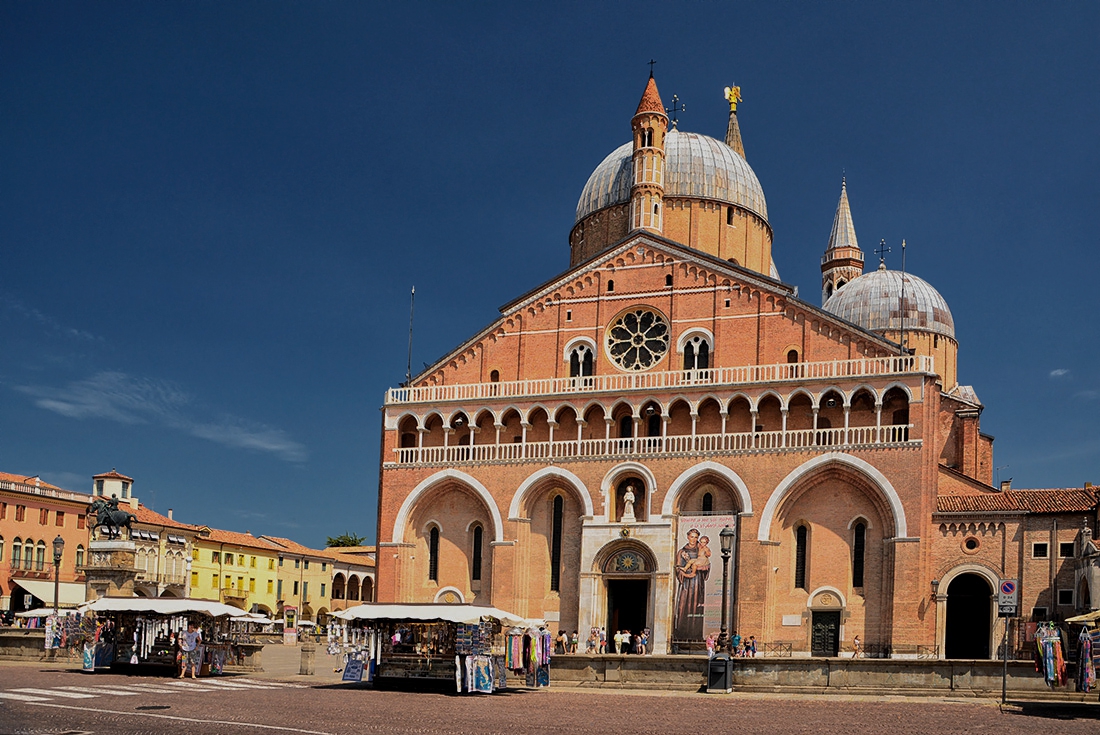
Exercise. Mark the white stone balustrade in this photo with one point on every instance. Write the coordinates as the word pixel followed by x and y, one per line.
pixel 853 437
pixel 619 383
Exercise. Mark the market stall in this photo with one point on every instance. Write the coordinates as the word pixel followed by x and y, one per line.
pixel 473 645
pixel 138 630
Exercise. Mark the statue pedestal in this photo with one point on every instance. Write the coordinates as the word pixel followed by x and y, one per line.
pixel 110 568
pixel 628 516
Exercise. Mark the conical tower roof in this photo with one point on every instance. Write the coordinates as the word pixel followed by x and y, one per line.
pixel 733 134
pixel 651 100
pixel 844 230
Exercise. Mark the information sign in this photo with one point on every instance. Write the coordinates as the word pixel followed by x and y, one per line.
pixel 1008 598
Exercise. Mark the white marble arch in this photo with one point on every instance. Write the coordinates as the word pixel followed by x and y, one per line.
pixel 443 592
pixel 541 475
pixel 831 590
pixel 402 519
pixel 941 602
pixel 713 468
pixel 901 528
pixel 957 571
pixel 607 486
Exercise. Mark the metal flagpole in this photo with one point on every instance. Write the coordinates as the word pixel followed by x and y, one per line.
pixel 408 365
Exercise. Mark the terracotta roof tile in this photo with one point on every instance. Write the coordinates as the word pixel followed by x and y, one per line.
pixel 27 480
pixel 334 552
pixel 150 516
pixel 353 549
pixel 112 475
pixel 1058 500
pixel 651 100
pixel 289 545
pixel 240 539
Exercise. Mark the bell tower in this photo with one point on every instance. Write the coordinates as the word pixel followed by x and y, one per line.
pixel 647 189
pixel 843 260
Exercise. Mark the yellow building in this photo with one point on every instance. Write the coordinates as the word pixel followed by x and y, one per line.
pixel 304 580
pixel 235 568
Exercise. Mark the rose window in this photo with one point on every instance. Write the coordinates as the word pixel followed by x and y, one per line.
pixel 638 339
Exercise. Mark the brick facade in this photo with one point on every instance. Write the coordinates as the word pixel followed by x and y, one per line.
pixel 504 465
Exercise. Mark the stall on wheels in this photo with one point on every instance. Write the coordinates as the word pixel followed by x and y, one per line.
pixel 475 646
pixel 203 635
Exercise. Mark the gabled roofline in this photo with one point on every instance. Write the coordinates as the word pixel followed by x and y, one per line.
pixel 969 480
pixel 741 273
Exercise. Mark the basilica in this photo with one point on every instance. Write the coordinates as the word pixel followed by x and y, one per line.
pixel 666 436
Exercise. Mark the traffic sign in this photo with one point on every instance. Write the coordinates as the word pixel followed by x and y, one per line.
pixel 1008 598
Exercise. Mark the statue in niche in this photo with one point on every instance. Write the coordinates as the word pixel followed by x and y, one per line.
pixel 628 503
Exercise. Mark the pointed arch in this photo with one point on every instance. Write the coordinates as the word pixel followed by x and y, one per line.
pixel 531 412
pixel 690 332
pixel 768 394
pixel 707 468
pixel 578 342
pixel 832 389
pixel 537 478
pixel 429 483
pixel 902 387
pixel 809 467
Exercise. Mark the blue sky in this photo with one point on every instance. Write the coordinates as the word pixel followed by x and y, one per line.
pixel 211 214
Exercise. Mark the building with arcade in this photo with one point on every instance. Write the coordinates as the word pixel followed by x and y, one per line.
pixel 579 458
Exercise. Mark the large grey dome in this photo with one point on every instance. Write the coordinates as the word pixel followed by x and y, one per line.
pixel 873 301
pixel 695 166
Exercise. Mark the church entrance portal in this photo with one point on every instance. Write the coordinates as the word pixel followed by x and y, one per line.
pixel 627 606
pixel 825 633
pixel 969 613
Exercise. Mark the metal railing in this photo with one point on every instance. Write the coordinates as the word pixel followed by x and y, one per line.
pixel 873 650
pixel 749 441
pixel 928 652
pixel 673 379
pixel 780 650
pixel 24 565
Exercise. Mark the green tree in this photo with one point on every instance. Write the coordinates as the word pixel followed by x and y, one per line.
pixel 345 539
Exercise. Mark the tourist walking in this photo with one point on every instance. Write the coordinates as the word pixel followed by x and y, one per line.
pixel 190 648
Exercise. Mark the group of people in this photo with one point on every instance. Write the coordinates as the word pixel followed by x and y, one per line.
pixel 737 646
pixel 565 643
pixel 623 641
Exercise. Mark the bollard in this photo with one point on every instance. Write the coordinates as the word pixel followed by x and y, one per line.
pixel 309 652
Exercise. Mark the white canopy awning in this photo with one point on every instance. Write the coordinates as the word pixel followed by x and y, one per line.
pixel 42 612
pixel 255 618
pixel 163 606
pixel 429 611
pixel 1091 617
pixel 69 594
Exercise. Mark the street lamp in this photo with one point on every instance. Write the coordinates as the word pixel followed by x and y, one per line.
pixel 726 536
pixel 58 548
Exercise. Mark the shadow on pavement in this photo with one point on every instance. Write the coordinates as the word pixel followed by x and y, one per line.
pixel 1057 710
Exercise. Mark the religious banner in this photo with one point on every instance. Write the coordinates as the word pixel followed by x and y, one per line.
pixel 697 608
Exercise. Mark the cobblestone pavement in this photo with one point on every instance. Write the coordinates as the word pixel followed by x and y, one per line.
pixel 36 699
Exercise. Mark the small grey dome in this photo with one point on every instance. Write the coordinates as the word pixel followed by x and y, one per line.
pixel 695 166
pixel 873 301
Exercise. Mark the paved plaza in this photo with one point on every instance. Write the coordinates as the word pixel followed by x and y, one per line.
pixel 41 699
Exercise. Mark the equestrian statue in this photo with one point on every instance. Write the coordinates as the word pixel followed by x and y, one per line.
pixel 108 515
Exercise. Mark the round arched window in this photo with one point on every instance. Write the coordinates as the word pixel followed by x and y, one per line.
pixel 638 339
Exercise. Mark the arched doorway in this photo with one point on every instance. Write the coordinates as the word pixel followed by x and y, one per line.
pixel 969 617
pixel 628 578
